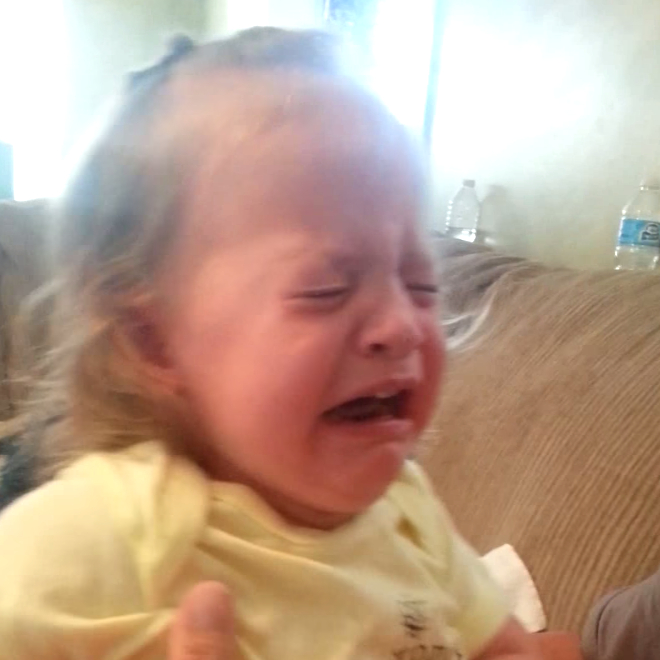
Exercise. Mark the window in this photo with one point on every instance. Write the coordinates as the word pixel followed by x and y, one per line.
pixel 396 40
pixel 33 80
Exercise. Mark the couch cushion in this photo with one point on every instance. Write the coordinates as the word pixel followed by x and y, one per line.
pixel 23 268
pixel 547 435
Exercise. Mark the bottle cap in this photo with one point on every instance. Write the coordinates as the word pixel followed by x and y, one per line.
pixel 469 183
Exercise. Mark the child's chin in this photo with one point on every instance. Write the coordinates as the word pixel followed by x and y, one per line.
pixel 369 481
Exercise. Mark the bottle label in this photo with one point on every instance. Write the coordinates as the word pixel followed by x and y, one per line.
pixel 644 233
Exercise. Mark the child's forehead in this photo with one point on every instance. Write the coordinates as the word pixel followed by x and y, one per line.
pixel 240 114
pixel 308 150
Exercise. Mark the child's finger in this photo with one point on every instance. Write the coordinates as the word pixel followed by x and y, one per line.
pixel 203 627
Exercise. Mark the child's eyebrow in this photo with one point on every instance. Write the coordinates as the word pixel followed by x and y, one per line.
pixel 344 258
pixel 333 258
pixel 422 259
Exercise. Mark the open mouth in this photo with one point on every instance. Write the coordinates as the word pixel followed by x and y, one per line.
pixel 370 408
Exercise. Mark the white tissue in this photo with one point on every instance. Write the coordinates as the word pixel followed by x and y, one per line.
pixel 508 570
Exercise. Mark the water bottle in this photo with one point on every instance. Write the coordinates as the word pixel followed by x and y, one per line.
pixel 638 247
pixel 463 213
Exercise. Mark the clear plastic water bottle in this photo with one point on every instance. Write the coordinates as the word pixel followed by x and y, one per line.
pixel 638 247
pixel 463 213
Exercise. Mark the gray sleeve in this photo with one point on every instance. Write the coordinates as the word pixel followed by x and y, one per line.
pixel 626 624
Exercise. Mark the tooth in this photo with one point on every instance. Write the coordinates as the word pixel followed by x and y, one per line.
pixel 386 395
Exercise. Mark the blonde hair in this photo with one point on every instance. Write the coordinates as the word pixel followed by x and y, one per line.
pixel 115 224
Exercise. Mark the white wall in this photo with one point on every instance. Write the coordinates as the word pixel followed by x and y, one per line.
pixel 108 38
pixel 63 59
pixel 226 16
pixel 296 13
pixel 555 104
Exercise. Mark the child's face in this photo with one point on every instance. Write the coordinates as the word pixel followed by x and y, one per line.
pixel 302 284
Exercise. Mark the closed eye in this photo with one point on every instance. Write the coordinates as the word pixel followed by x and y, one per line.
pixel 425 288
pixel 327 293
pixel 424 295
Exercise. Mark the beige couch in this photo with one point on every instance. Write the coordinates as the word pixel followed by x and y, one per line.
pixel 23 267
pixel 546 437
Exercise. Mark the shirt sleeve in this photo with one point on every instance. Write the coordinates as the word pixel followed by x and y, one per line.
pixel 481 609
pixel 70 589
pixel 87 561
pixel 626 624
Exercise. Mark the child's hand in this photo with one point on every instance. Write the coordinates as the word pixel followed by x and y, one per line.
pixel 203 628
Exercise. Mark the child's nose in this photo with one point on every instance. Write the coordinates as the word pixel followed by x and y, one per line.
pixel 393 329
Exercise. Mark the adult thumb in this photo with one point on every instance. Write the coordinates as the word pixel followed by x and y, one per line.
pixel 203 627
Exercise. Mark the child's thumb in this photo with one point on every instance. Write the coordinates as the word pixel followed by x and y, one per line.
pixel 203 627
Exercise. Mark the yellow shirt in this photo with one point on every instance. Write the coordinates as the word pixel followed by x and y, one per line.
pixel 93 564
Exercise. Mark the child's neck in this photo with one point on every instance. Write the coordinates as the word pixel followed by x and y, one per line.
pixel 301 516
pixel 291 511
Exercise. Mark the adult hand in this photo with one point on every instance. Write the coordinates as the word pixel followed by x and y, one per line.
pixel 559 646
pixel 203 628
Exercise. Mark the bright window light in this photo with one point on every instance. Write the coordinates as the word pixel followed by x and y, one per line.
pixel 402 43
pixel 496 90
pixel 33 105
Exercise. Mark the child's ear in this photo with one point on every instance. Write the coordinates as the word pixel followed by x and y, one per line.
pixel 146 339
